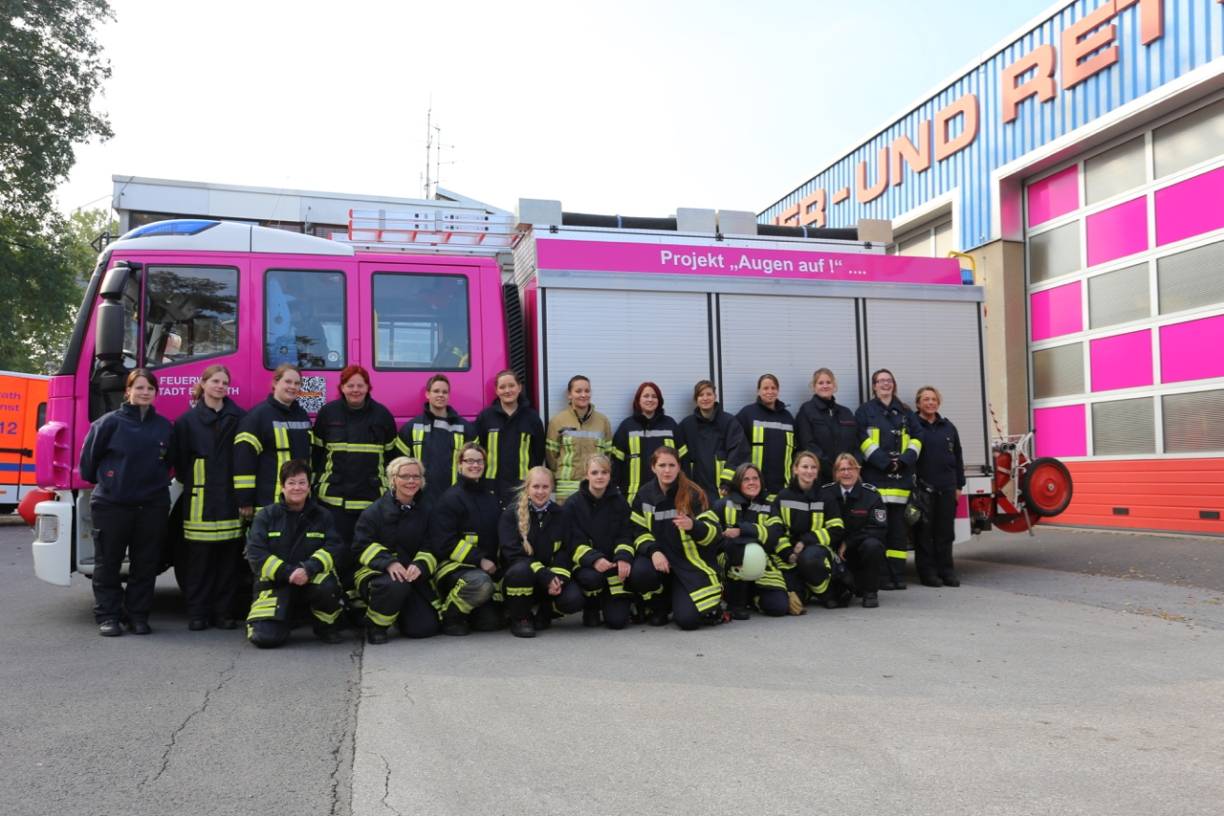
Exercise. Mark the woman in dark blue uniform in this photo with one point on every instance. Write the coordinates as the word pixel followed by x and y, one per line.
pixel 941 471
pixel 676 536
pixel 770 429
pixel 747 521
pixel 806 544
pixel 823 425
pixel 860 539
pixel 272 433
pixel 715 440
pixel 639 434
pixel 889 444
pixel 204 441
pixel 538 559
pixel 601 537
pixel 128 455
pixel 436 435
pixel 513 435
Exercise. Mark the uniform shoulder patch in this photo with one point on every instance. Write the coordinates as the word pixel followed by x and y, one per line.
pixel 880 515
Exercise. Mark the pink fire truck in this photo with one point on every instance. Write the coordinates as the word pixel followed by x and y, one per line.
pixel 704 295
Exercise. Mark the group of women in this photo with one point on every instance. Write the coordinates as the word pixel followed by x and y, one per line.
pixel 444 525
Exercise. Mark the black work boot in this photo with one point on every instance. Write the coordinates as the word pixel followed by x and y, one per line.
pixel 523 628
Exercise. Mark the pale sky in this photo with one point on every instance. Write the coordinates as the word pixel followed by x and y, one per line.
pixel 613 107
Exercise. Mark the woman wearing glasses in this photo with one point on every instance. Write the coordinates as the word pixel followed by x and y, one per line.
pixel 463 531
pixel 393 563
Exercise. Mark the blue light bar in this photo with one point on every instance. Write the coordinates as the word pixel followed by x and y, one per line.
pixel 180 226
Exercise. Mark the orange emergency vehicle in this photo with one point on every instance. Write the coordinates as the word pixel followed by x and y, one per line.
pixel 23 408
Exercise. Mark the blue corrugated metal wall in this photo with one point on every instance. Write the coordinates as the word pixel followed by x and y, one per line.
pixel 1193 36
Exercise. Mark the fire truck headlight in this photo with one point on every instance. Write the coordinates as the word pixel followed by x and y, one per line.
pixel 46 528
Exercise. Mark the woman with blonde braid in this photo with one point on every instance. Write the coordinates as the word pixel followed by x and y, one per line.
pixel 536 556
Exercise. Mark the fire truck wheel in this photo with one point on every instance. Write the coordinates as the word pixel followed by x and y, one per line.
pixel 1046 485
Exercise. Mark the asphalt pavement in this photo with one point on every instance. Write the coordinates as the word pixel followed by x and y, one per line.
pixel 1071 673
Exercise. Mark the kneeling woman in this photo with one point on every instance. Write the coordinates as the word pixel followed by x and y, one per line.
pixel 293 548
pixel 865 529
pixel 535 550
pixel 601 537
pixel 390 534
pixel 677 563
pixel 747 522
pixel 808 531
pixel 463 533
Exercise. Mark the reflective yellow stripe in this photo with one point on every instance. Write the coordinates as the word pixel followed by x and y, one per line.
pixel 428 558
pixel 790 450
pixel 197 491
pixel 524 455
pixel 324 558
pixel 325 617
pixel 491 447
pixel 635 466
pixel 379 619
pixel 367 555
pixel 895 554
pixel 758 446
pixel 270 565
pixel 250 439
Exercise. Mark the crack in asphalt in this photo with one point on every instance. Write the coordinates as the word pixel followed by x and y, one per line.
pixel 387 785
pixel 226 675
pixel 344 753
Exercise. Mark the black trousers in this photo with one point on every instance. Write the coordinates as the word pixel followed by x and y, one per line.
pixel 934 537
pixel 345 522
pixel 893 568
pixel 524 589
pixel 668 591
pixel 606 591
pixel 212 568
pixel 134 529
pixel 865 558
pixel 410 605
pixel 275 605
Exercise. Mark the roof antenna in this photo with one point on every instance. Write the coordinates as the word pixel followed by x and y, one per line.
pixel 433 161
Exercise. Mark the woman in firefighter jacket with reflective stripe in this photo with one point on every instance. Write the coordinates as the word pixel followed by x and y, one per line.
pixel 436 434
pixel 513 435
pixel 770 429
pixel 463 537
pixel 676 532
pixel 128 454
pixel 860 541
pixel 890 443
pixel 536 554
pixel 353 437
pixel 574 434
pixel 824 426
pixel 601 539
pixel 293 548
pixel 806 550
pixel 204 441
pixel 941 470
pixel 273 432
pixel 637 437
pixel 716 442
pixel 394 566
pixel 747 519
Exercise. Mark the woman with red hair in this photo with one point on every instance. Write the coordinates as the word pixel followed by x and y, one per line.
pixel 639 435
pixel 354 437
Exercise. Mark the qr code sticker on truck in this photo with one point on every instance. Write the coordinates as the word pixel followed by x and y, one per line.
pixel 313 394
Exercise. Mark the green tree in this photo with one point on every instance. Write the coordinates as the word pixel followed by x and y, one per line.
pixel 48 267
pixel 51 68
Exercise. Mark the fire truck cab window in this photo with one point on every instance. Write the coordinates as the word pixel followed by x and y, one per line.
pixel 422 322
pixel 304 319
pixel 190 313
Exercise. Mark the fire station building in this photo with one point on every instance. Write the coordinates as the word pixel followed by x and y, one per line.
pixel 1079 166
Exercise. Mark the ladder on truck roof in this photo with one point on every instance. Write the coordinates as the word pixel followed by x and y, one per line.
pixel 469 232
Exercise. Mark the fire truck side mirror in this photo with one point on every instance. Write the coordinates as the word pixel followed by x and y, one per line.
pixel 115 281
pixel 108 332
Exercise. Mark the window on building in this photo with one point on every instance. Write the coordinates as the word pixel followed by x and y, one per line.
pixel 1192 422
pixel 933 239
pixel 1115 171
pixel 1058 371
pixel 1054 252
pixel 304 320
pixel 190 313
pixel 1119 296
pixel 1124 427
pixel 1194 138
pixel 1191 279
pixel 421 322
